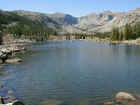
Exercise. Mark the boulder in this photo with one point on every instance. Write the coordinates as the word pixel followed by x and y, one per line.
pixel 138 40
pixel 14 60
pixel 17 103
pixel 10 92
pixel 124 96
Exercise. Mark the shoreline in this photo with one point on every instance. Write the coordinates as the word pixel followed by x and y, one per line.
pixel 18 46
pixel 108 41
pixel 96 39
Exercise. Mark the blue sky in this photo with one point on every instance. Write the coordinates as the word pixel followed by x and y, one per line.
pixel 73 7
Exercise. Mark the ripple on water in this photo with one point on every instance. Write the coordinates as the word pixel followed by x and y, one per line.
pixel 74 72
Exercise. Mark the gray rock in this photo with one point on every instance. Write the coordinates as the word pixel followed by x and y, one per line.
pixel 9 99
pixel 10 92
pixel 124 96
pixel 14 60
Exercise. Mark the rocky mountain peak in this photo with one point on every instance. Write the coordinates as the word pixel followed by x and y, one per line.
pixel 93 22
pixel 63 19
pixel 136 11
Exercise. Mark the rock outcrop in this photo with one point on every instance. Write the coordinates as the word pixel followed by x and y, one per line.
pixel 10 50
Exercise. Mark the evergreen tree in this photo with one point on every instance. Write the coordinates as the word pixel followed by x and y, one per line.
pixel 115 34
pixel 121 35
pixel 128 33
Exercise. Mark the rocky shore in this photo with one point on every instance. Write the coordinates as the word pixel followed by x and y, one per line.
pixel 109 41
pixel 10 47
pixel 8 53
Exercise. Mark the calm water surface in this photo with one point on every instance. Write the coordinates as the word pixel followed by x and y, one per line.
pixel 74 72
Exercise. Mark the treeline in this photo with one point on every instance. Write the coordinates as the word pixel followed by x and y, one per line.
pixel 19 26
pixel 127 32
pixel 78 36
pixel 30 31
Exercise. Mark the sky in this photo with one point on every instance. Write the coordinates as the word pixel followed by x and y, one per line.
pixel 73 7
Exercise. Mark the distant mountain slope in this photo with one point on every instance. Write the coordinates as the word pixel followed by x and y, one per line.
pixel 103 22
pixel 35 16
pixel 21 26
pixel 63 19
pixel 56 20
pixel 10 19
pixel 95 22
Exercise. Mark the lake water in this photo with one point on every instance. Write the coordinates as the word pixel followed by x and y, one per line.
pixel 74 72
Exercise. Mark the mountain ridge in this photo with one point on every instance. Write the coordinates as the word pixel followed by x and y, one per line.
pixel 94 22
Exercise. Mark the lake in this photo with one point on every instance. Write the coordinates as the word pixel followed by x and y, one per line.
pixel 74 72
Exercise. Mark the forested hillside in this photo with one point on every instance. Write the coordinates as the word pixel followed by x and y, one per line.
pixel 20 26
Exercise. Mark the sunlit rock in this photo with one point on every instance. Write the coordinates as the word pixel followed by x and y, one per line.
pixel 14 60
pixel 124 96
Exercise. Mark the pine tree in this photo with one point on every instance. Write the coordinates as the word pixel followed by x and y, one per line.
pixel 121 35
pixel 115 33
pixel 128 33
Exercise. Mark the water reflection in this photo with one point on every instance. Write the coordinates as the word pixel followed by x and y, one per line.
pixel 75 72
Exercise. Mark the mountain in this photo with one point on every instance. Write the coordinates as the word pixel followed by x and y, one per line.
pixel 55 21
pixel 104 22
pixel 63 19
pixel 35 16
pixel 21 26
pixel 94 22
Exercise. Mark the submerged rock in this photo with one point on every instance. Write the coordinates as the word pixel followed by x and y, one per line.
pixel 109 103
pixel 90 102
pixel 10 92
pixel 124 96
pixel 52 102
